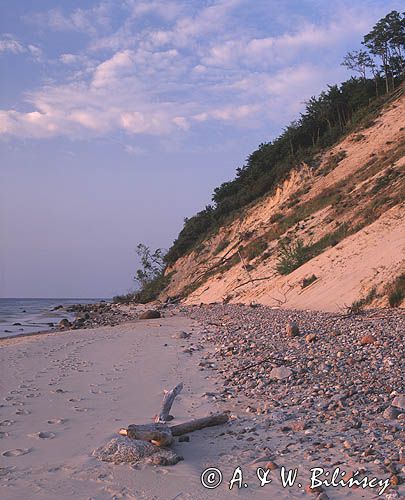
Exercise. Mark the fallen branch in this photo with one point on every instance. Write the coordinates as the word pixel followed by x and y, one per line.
pixel 199 423
pixel 167 403
pixel 148 443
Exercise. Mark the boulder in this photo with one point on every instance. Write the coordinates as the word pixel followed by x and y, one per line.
pixel 64 323
pixel 280 373
pixel 150 314
pixel 391 413
pixel 399 402
pixel 311 337
pixel 368 339
pixel 292 329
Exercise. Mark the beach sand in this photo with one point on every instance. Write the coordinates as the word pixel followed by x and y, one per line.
pixel 65 394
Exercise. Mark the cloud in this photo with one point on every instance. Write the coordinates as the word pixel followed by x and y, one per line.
pixel 11 45
pixel 88 21
pixel 169 67
pixel 271 51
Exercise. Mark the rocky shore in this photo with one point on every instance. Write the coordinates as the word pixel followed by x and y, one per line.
pixel 330 385
pixel 95 315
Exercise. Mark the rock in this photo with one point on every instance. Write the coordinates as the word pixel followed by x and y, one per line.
pixel 271 465
pixel 280 373
pixel 368 339
pixel 184 439
pixel 181 335
pixel 17 324
pixel 391 413
pixel 150 314
pixel 317 489
pixel 125 450
pixel 64 323
pixel 292 329
pixel 322 496
pixel 311 337
pixel 399 402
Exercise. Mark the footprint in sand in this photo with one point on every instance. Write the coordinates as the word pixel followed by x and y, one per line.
pixel 22 412
pixel 6 423
pixel 17 452
pixel 42 435
pixel 57 421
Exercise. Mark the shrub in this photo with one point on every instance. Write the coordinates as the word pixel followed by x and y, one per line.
pixel 221 246
pixel 358 305
pixel 291 256
pixel 307 281
pixel 396 291
pixel 254 249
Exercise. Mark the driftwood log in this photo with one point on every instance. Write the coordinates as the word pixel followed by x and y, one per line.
pixel 148 443
pixel 167 403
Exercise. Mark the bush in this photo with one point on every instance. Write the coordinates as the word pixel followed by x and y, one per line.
pixel 307 281
pixel 358 305
pixel 396 291
pixel 291 256
pixel 221 246
pixel 254 249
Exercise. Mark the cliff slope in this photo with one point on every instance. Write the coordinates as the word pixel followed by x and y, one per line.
pixel 328 236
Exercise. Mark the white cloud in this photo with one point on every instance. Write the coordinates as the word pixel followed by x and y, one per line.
pixel 270 51
pixel 108 71
pixel 88 21
pixel 163 73
pixel 10 44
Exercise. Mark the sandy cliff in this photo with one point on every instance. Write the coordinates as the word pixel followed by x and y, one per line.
pixel 348 209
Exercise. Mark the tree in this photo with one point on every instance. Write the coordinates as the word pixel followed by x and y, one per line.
pixel 358 61
pixel 152 265
pixel 387 40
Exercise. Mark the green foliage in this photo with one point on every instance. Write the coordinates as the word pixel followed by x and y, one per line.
pixel 128 298
pixel 150 278
pixel 254 249
pixel 358 305
pixel 333 162
pixel 291 256
pixel 221 246
pixel 307 281
pixel 396 291
pixel 325 120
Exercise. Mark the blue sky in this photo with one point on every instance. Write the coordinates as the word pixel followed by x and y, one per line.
pixel 119 117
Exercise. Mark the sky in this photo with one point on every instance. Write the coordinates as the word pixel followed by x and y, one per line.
pixel 118 118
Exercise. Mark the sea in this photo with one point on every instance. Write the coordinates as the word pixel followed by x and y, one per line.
pixel 22 316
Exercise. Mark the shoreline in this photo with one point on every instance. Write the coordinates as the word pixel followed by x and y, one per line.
pixel 65 395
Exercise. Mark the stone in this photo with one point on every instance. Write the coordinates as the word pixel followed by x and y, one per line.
pixel 399 402
pixel 391 413
pixel 271 465
pixel 64 323
pixel 292 329
pixel 311 337
pixel 181 335
pixel 150 314
pixel 368 339
pixel 280 372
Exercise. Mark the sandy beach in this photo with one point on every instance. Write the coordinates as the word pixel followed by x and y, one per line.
pixel 65 394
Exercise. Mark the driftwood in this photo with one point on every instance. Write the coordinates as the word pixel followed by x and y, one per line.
pixel 199 423
pixel 148 443
pixel 168 402
pixel 158 434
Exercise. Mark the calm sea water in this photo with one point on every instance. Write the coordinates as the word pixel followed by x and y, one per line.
pixel 33 315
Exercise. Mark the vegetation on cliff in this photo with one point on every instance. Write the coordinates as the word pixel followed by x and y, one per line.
pixel 379 69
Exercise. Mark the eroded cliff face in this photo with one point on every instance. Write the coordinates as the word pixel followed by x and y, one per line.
pixel 348 215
